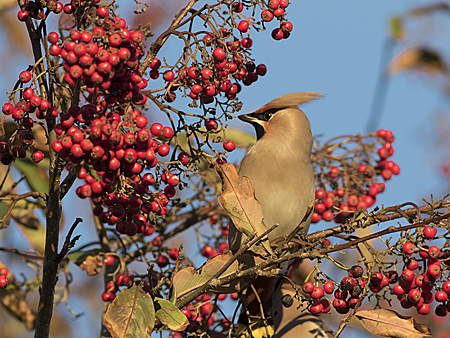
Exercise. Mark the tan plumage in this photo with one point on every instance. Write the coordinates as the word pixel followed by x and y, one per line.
pixel 279 168
pixel 279 164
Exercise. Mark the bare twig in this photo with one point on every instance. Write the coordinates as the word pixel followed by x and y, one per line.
pixel 69 242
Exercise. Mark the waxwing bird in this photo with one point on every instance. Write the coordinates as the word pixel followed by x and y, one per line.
pixel 279 164
pixel 279 169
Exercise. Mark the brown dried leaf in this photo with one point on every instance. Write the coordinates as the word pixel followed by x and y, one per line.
pixel 418 59
pixel 189 279
pixel 238 200
pixel 92 265
pixel 388 323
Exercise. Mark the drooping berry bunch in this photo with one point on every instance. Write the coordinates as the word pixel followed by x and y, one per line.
pixel 225 55
pixel 348 174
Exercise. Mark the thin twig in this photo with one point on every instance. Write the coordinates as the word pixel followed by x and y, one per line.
pixel 69 243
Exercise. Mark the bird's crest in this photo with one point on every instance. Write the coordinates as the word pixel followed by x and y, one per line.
pixel 290 100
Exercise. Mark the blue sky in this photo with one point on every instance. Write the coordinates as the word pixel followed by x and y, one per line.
pixel 335 48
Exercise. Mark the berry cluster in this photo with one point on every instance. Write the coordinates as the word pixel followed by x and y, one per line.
pixel 202 315
pixel 105 58
pixel 36 9
pixel 421 281
pixel 112 288
pixel 4 278
pixel 114 161
pixel 349 186
pixel 219 240
pixel 345 297
pixel 227 61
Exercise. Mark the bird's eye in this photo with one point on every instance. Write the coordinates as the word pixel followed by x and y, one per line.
pixel 267 115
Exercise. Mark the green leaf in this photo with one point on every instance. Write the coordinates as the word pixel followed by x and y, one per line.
pixel 396 28
pixel 35 237
pixel 35 176
pixel 172 295
pixel 131 314
pixel 238 200
pixel 170 315
pixel 79 256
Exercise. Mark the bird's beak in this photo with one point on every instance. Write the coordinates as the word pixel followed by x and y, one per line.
pixel 247 118
pixel 256 123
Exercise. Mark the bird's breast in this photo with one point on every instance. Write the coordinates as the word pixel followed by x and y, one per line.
pixel 284 187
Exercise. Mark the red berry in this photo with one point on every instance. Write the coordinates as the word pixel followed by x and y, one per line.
pixel 102 12
pixel 326 243
pixel 315 218
pixel 441 310
pixel 329 287
pixel 108 296
pixel 316 309
pixel 237 7
pixel 308 287
pixel 108 260
pixel 25 76
pixel 433 252
pixel 339 303
pixel 23 15
pixel 317 293
pixel 287 26
pixel 414 296
pixel 229 145
pixel 434 271
pixel 424 309
pixel 327 216
pixel 168 76
pixel 273 4
pixel 267 16
pixel 277 34
pixel 412 264
pixel 398 290
pixel 211 125
pixel 223 247
pixel 279 12
pixel 162 261
pixel 353 200
pixel 429 232
pixel 164 149
pixel 207 251
pixel 408 275
pixel 441 296
pixel 155 64
pixel 243 26
pixel 167 133
pixel 219 54
pixel 37 156
pixel 408 248
pixel 174 253
pixel 156 129
pixel 321 194
pixel 183 158
pixel 3 281
pixel 157 241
